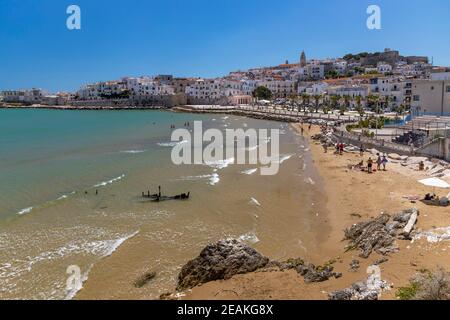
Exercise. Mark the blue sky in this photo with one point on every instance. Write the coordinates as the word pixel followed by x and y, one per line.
pixel 205 38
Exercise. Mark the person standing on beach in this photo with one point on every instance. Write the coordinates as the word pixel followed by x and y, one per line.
pixel 379 161
pixel 361 151
pixel 369 165
pixel 384 161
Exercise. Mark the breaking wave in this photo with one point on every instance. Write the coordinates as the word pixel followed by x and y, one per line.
pixel 105 183
pixel 219 164
pixel 249 171
pixel 171 144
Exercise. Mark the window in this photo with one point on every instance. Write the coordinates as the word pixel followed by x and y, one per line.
pixel 416 98
pixel 447 89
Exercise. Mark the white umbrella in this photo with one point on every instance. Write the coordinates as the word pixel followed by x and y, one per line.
pixel 435 183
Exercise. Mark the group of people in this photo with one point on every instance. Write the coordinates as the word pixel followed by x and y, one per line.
pixel 381 163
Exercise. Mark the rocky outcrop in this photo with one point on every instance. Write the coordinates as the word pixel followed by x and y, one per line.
pixel 220 260
pixel 363 290
pixel 308 271
pixel 380 233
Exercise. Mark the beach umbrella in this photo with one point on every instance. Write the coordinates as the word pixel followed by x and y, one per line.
pixel 435 183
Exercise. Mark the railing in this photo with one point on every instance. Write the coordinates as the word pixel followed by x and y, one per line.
pixel 360 139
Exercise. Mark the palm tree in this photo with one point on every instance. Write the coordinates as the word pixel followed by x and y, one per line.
pixel 374 101
pixel 305 101
pixel 347 100
pixel 335 101
pixel 359 107
pixel 385 101
pixel 317 98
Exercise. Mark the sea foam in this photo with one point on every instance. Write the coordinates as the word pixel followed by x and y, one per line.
pixel 249 171
pixel 105 183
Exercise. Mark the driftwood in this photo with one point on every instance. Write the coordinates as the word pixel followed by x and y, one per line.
pixel 411 223
pixel 380 233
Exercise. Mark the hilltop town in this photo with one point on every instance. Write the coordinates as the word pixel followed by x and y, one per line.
pixel 382 81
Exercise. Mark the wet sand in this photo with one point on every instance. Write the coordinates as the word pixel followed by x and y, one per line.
pixel 287 222
pixel 351 197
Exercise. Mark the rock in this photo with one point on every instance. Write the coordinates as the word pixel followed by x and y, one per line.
pixel 394 156
pixel 221 260
pixel 446 173
pixel 369 236
pixel 416 160
pixel 354 266
pixel 311 273
pixel 345 294
pixel 379 234
pixel 361 290
pixel 380 261
pixel 436 170
pixel 144 279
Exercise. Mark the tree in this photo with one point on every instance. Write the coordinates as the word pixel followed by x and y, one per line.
pixel 262 93
pixel 347 100
pixel 359 107
pixel 374 102
pixel 317 98
pixel 332 74
pixel 335 101
pixel 305 101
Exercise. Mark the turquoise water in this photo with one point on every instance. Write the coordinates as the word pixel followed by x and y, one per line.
pixel 52 162
pixel 46 154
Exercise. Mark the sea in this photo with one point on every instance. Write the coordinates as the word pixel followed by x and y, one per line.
pixel 71 184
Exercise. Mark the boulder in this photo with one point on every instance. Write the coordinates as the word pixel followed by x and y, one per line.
pixel 394 156
pixel 221 260
pixel 379 234
pixel 311 273
pixel 416 160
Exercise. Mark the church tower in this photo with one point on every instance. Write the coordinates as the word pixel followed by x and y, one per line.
pixel 303 59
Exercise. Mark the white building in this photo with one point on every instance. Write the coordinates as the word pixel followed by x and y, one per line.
pixel 340 66
pixel 312 71
pixel 205 89
pixel 440 76
pixel 28 96
pixel 384 68
pixel 279 88
pixel 313 88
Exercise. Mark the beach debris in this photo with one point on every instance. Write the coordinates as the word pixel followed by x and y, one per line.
pixel 144 279
pixel 380 261
pixel 220 260
pixel 370 289
pixel 434 236
pixel 379 234
pixel 157 197
pixel 354 265
pixel 411 222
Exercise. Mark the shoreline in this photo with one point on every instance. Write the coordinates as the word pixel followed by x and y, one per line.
pixel 352 197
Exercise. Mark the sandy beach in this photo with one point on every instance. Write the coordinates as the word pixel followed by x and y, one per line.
pixel 352 196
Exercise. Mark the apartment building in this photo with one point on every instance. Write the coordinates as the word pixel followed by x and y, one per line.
pixel 430 97
pixel 28 96
pixel 279 88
